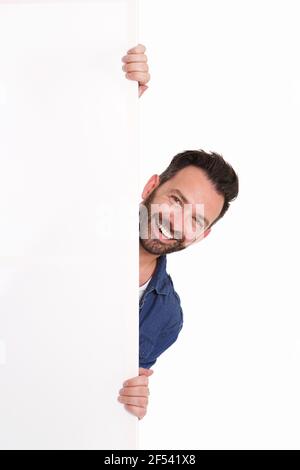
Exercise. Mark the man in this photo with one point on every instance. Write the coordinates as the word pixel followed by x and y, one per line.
pixel 178 209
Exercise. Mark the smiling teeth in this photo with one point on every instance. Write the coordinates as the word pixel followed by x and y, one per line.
pixel 165 231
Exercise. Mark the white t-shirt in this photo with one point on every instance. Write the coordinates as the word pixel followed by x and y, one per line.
pixel 143 287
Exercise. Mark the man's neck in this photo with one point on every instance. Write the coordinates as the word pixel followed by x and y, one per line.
pixel 147 264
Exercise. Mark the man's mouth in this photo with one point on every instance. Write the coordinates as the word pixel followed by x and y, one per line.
pixel 162 232
pixel 165 232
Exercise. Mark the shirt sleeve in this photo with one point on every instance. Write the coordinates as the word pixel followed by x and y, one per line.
pixel 147 365
pixel 166 339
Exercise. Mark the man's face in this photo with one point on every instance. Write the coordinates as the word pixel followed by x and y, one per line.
pixel 177 214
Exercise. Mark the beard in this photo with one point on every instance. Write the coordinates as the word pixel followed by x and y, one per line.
pixel 151 244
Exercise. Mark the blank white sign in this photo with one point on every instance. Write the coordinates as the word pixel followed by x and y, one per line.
pixel 68 224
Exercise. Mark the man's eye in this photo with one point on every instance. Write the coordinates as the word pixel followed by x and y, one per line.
pixel 176 199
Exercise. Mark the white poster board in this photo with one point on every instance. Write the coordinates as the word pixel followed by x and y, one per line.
pixel 68 224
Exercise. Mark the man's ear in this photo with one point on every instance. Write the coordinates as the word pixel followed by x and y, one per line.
pixel 151 184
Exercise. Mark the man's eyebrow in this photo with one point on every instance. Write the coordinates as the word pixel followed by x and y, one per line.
pixel 179 193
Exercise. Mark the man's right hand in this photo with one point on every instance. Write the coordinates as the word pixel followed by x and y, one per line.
pixel 135 392
pixel 135 64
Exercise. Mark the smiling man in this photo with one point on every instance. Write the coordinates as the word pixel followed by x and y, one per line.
pixel 178 209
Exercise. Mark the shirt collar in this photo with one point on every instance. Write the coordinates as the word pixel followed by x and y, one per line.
pixel 159 280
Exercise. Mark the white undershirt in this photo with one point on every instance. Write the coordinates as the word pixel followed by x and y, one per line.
pixel 143 287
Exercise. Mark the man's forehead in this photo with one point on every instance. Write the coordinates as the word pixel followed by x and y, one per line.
pixel 184 188
pixel 190 176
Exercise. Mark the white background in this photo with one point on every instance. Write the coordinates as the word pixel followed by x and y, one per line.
pixel 225 77
pixel 68 128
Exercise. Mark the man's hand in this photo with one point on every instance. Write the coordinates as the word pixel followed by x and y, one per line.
pixel 136 67
pixel 134 394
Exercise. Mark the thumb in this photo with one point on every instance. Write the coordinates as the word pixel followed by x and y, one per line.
pixel 142 89
pixel 146 372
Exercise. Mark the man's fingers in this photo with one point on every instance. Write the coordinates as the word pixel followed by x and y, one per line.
pixel 138 411
pixel 143 371
pixel 141 77
pixel 140 380
pixel 136 401
pixel 134 58
pixel 135 391
pixel 139 49
pixel 135 67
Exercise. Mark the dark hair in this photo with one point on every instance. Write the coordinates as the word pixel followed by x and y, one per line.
pixel 218 171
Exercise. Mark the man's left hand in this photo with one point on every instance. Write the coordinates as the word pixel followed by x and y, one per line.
pixel 134 394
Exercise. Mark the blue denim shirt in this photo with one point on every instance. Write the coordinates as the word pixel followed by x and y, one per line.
pixel 161 316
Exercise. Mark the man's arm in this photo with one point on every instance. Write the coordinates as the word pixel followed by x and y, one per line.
pixel 136 67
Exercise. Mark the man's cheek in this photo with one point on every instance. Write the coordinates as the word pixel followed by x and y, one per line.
pixel 192 231
pixel 177 224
